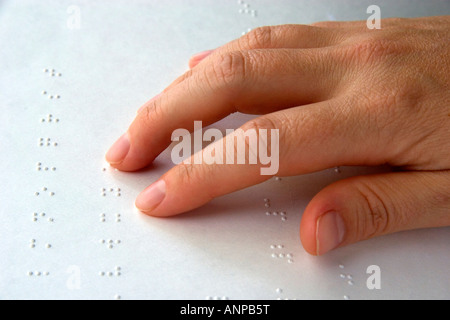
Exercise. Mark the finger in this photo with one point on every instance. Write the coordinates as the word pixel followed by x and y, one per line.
pixel 256 81
pixel 277 37
pixel 363 207
pixel 311 138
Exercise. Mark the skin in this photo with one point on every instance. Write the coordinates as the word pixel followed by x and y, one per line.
pixel 340 94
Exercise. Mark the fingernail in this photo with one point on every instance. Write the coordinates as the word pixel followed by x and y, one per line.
pixel 330 231
pixel 146 104
pixel 118 150
pixel 196 58
pixel 152 196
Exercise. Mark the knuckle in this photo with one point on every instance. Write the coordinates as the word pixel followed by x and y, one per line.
pixel 377 214
pixel 260 123
pixel 153 111
pixel 258 38
pixel 369 49
pixel 190 174
pixel 185 173
pixel 227 71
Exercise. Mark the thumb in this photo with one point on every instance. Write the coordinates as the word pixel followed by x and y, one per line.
pixel 363 207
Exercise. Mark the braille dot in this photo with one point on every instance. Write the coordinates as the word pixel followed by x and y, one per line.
pixel 118 241
pixel 55 144
pixel 46 273
pixel 281 255
pixel 117 297
pixel 43 214
pixel 341 266
pixel 110 246
pixel 280 246
pixel 102 274
pixel 50 97
pixel 46 168
pixel 290 261
pixel 346 298
pixel 48 245
pixel 267 213
pixel 283 219
pixel 282 213
pixel 44 189
pixel 272 246
pixel 50 220
pixel 110 274
pixel 350 282
pixel 349 277
pixel 279 290
pixel 342 276
pixel 267 205
pixel 36 193
pixel 30 273
pixel 103 169
pixel 337 169
pixel 38 273
pixel 59 74
pixel 51 194
pixel 45 70
pixel 53 169
pixel 111 190
pixel 274 255
pixel 275 213
pixel 278 178
pixel 289 255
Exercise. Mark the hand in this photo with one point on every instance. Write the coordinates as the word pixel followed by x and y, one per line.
pixel 340 94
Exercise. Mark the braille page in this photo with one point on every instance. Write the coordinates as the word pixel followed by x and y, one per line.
pixel 72 75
